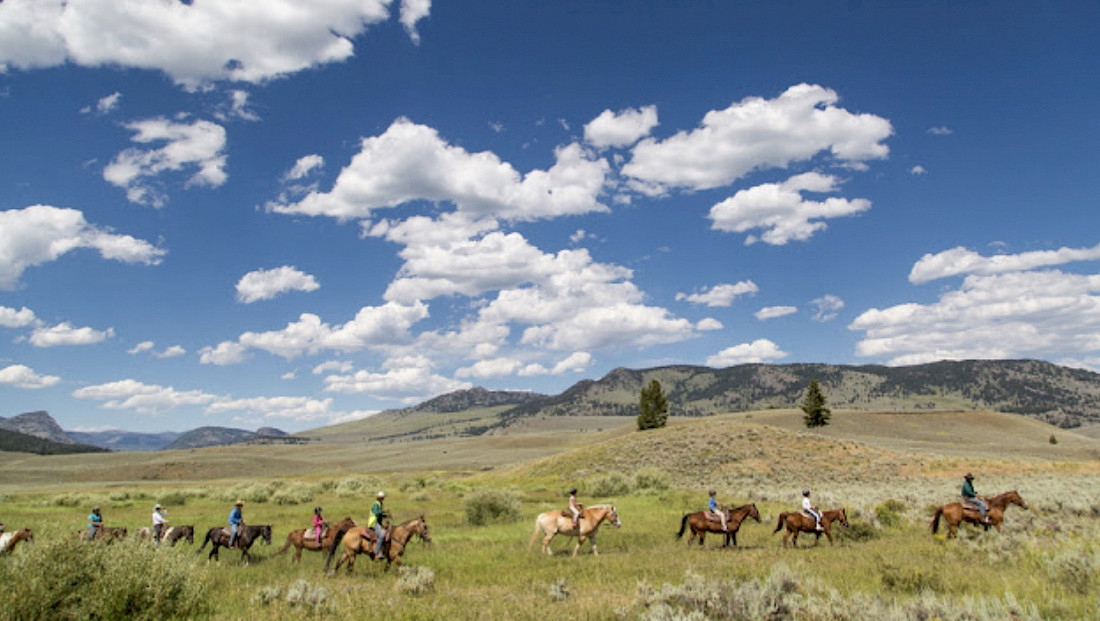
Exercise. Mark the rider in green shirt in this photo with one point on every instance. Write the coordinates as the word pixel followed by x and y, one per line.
pixel 970 497
pixel 377 514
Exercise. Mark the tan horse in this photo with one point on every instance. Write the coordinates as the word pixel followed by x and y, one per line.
pixel 361 540
pixel 798 522
pixel 954 513
pixel 297 538
pixel 9 540
pixel 554 523
pixel 106 534
pixel 701 524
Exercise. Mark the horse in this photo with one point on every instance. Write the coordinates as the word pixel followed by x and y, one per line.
pixel 106 534
pixel 558 522
pixel 955 513
pixel 9 540
pixel 246 536
pixel 297 538
pixel 797 522
pixel 361 540
pixel 173 534
pixel 701 524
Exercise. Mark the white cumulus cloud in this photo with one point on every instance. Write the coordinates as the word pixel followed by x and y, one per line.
pixel 721 295
pixel 959 260
pixel 771 312
pixel 22 376
pixel 11 318
pixel 65 334
pixel 268 284
pixel 621 129
pixel 758 351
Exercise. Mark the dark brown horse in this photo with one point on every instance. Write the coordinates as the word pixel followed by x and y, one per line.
pixel 954 513
pixel 361 540
pixel 9 540
pixel 701 524
pixel 797 522
pixel 297 538
pixel 246 536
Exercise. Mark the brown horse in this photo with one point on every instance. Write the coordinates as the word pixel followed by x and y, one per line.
pixel 173 534
pixel 557 522
pixel 361 540
pixel 954 513
pixel 297 538
pixel 9 540
pixel 797 522
pixel 701 524
pixel 246 536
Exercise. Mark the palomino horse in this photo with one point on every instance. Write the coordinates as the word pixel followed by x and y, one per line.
pixel 297 538
pixel 701 524
pixel 361 540
pixel 955 513
pixel 558 523
pixel 9 540
pixel 797 522
pixel 246 536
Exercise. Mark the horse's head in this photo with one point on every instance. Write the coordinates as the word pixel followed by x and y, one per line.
pixel 188 533
pixel 265 533
pixel 613 516
pixel 753 513
pixel 1015 498
pixel 420 527
pixel 842 517
pixel 346 523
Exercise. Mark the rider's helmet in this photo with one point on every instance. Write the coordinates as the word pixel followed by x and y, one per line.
pixel 573 490
pixel 317 510
pixel 381 494
pixel 805 492
pixel 713 492
pixel 95 509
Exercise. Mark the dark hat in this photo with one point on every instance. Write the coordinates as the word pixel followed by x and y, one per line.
pixel 805 492
pixel 572 490
pixel 968 476
pixel 712 492
pixel 316 509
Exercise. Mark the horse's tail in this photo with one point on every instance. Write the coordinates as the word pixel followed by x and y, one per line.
pixel 332 550
pixel 936 520
pixel 535 535
pixel 204 542
pixel 286 546
pixel 779 524
pixel 683 525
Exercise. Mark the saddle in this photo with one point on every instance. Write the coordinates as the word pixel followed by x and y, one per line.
pixel 311 533
pixel 712 516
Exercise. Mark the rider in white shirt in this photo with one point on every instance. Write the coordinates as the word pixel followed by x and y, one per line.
pixel 811 508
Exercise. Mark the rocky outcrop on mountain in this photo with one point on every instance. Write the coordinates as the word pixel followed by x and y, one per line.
pixel 39 424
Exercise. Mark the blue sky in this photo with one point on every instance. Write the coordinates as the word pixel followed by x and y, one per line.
pixel 279 214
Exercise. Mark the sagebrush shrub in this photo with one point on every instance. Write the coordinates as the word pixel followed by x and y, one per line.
pixel 610 484
pixel 415 580
pixel 486 506
pixel 890 513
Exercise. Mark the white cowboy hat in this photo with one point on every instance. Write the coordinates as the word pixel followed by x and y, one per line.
pixel 381 494
pixel 157 507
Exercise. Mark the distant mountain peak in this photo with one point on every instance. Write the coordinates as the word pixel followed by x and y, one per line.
pixel 39 424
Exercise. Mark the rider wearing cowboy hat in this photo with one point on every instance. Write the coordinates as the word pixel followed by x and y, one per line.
pixel 236 519
pixel 159 522
pixel 970 497
pixel 377 514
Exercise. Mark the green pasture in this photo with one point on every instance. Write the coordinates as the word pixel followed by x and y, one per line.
pixel 1043 564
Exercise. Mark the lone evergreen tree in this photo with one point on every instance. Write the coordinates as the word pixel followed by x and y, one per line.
pixel 815 414
pixel 653 407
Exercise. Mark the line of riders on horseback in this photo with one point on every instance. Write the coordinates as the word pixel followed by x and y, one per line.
pixel 381 541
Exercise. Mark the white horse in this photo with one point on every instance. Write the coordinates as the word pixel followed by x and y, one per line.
pixel 559 522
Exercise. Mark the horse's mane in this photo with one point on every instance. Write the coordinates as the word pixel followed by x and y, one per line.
pixel 604 506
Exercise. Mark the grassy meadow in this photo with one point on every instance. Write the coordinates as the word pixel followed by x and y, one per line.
pixel 889 471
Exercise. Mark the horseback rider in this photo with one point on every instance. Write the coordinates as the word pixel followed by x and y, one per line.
pixel 377 514
pixel 717 508
pixel 236 519
pixel 159 522
pixel 811 509
pixel 575 507
pixel 318 523
pixel 95 523
pixel 970 497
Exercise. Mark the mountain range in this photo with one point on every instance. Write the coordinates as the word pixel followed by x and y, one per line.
pixel 1058 395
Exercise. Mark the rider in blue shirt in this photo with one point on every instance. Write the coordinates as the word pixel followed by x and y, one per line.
pixel 717 508
pixel 95 523
pixel 235 521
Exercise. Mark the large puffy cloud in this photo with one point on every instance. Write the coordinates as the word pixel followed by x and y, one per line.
pixel 40 234
pixel 11 318
pixel 1010 315
pixel 407 379
pixel 240 40
pixel 620 129
pixel 373 326
pixel 267 284
pixel 758 351
pixel 781 211
pixel 410 162
pixel 142 398
pixel 22 376
pixel 198 145
pixel 758 133
pixel 959 260
pixel 64 334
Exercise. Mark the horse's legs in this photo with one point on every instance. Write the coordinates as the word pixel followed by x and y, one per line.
pixel 546 544
pixel 594 552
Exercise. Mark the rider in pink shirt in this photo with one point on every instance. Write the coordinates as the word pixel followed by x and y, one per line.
pixel 318 522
